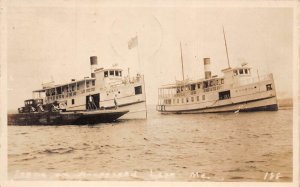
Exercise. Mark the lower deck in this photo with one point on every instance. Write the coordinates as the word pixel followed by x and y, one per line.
pixel 244 97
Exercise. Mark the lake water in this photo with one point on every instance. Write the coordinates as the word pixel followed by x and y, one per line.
pixel 254 146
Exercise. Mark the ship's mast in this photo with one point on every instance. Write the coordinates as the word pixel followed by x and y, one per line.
pixel 181 62
pixel 226 48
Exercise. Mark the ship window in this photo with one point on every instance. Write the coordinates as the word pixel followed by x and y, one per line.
pixel 269 87
pixel 246 71
pixel 87 84
pixel 187 99
pixel 111 73
pixel 192 99
pixel 235 72
pixel 105 73
pixel 117 73
pixel 222 81
pixel 193 87
pixel 59 90
pixel 138 90
pixel 93 82
pixel 224 95
pixel 241 71
pixel 120 73
pixel 167 101
pixel 73 101
pixel 73 87
pixel 203 97
pixel 197 98
pixel 205 84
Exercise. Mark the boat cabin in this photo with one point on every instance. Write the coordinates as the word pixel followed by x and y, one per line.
pixel 64 91
pixel 242 72
pixel 110 73
pixel 191 87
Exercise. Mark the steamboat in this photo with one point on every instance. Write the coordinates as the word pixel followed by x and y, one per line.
pixel 105 96
pixel 237 90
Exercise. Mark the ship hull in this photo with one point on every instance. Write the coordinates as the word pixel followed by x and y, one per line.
pixel 66 118
pixel 137 110
pixel 265 104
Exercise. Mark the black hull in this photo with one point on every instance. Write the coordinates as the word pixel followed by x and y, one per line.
pixel 65 118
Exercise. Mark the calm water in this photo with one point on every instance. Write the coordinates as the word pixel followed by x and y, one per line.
pixel 194 147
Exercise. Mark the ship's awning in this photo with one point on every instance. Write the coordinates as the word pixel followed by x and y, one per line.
pixel 108 69
pixel 65 84
pixel 188 82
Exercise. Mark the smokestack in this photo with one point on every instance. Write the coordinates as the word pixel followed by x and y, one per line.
pixel 207 70
pixel 93 60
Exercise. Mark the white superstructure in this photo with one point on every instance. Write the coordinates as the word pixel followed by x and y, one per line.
pixel 240 89
pixel 107 88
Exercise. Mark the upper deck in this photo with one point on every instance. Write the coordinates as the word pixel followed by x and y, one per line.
pixel 233 77
pixel 104 79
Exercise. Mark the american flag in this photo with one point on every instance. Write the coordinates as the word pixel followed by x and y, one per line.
pixel 133 42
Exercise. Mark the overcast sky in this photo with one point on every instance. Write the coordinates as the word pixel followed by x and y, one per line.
pixel 55 42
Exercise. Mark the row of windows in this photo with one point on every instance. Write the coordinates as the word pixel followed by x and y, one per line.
pixel 183 100
pixel 64 89
pixel 205 84
pixel 113 73
pixel 241 71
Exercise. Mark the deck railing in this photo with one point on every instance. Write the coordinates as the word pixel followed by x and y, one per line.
pixel 190 92
pixel 49 99
pixel 238 82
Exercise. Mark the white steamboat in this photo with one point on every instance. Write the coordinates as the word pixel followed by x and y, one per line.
pixel 107 88
pixel 238 90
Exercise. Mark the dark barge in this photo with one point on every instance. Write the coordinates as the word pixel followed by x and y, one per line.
pixel 35 112
pixel 65 118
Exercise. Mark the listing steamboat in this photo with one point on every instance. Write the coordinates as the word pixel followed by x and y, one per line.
pixel 103 97
pixel 237 90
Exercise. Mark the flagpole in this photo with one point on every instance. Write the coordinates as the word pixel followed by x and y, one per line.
pixel 138 52
pixel 139 61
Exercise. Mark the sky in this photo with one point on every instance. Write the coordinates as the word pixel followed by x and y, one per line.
pixel 54 42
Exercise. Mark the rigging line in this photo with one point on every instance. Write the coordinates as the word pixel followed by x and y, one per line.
pixel 226 48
